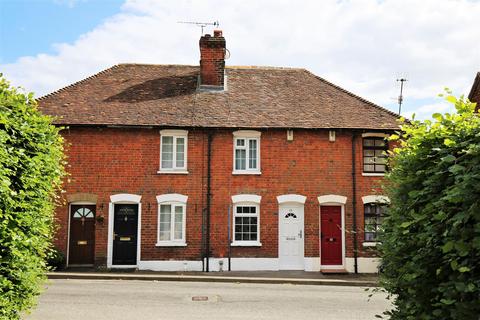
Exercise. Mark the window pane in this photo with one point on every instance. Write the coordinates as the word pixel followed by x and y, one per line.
pixel 246 228
pixel 380 160
pixel 167 152
pixel 379 142
pixel 180 160
pixel 252 154
pixel 240 142
pixel 369 168
pixel 165 222
pixel 240 159
pixel 178 223
pixel 369 236
pixel 379 152
pixel 368 142
pixel 368 153
pixel 380 168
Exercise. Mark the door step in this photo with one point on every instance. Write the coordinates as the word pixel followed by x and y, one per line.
pixel 333 271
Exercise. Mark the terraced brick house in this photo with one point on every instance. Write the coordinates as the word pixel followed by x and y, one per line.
pixel 177 167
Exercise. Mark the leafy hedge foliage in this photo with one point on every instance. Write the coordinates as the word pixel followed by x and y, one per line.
pixel 431 240
pixel 31 169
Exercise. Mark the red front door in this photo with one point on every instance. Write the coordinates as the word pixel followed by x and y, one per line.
pixel 331 235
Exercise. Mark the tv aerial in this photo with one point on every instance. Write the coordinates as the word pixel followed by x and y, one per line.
pixel 400 97
pixel 201 24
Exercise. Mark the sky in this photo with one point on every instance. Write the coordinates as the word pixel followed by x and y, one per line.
pixel 363 46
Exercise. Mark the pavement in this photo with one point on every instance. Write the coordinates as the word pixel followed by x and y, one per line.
pixel 269 277
pixel 148 300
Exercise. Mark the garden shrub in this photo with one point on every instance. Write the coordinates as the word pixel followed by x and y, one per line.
pixel 31 170
pixel 431 238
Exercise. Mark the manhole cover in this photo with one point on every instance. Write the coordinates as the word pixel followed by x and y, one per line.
pixel 199 298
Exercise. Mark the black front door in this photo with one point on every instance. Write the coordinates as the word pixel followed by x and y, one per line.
pixel 125 224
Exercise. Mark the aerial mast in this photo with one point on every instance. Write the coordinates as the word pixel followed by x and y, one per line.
pixel 400 97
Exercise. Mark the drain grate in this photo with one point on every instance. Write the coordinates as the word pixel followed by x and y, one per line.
pixel 199 298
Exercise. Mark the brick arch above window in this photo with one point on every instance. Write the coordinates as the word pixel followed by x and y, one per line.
pixel 291 198
pixel 172 197
pixel 376 199
pixel 375 135
pixel 82 197
pixel 247 134
pixel 252 198
pixel 125 197
pixel 332 198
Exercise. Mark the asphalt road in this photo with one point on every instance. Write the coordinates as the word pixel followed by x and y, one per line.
pixel 148 300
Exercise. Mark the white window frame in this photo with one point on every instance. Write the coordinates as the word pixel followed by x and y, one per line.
pixel 246 135
pixel 246 200
pixel 174 200
pixel 376 199
pixel 175 134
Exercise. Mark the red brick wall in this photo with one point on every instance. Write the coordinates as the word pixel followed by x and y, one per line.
pixel 212 59
pixel 114 160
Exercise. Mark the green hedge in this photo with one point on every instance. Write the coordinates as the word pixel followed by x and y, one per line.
pixel 431 240
pixel 31 169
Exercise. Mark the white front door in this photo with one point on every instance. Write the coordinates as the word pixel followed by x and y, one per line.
pixel 291 234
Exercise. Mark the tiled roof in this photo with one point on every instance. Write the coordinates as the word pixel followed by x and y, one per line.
pixel 255 97
pixel 474 94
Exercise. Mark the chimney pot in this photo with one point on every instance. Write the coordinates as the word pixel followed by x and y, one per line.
pixel 217 33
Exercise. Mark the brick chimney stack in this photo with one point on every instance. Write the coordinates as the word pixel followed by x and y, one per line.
pixel 212 60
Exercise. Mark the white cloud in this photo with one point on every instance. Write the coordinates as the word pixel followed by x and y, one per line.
pixel 362 45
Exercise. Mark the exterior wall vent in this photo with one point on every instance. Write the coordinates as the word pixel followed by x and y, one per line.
pixel 331 135
pixel 290 135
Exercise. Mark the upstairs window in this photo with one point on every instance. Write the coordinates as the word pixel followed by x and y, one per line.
pixel 374 157
pixel 173 151
pixel 246 157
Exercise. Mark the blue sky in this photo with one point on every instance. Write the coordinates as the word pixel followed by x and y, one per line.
pixel 29 27
pixel 361 45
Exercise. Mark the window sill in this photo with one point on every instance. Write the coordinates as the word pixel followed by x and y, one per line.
pixel 246 173
pixel 170 244
pixel 246 244
pixel 367 174
pixel 369 244
pixel 172 172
